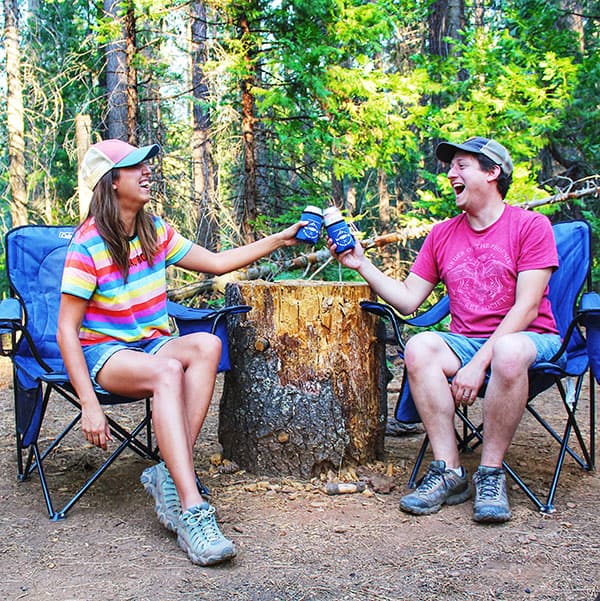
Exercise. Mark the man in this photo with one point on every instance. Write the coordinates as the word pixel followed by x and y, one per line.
pixel 495 261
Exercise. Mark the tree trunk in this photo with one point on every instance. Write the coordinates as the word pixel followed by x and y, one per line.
pixel 307 389
pixel 350 202
pixel 337 190
pixel 83 137
pixel 14 114
pixel 248 212
pixel 132 91
pixel 155 133
pixel 151 126
pixel 573 20
pixel 446 21
pixel 116 80
pixel 203 175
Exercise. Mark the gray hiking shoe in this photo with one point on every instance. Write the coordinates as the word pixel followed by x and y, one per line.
pixel 439 486
pixel 158 482
pixel 394 427
pixel 491 501
pixel 199 536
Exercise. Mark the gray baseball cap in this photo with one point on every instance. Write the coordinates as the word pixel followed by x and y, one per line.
pixel 490 148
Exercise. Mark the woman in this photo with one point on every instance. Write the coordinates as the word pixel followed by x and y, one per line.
pixel 114 335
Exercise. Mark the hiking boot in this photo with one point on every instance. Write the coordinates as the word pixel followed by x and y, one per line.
pixel 158 482
pixel 491 501
pixel 199 536
pixel 394 427
pixel 439 486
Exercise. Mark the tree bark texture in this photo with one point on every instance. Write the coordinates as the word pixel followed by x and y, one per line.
pixel 203 168
pixel 83 139
pixel 307 388
pixel 248 214
pixel 132 90
pixel 116 81
pixel 384 201
pixel 15 116
pixel 446 20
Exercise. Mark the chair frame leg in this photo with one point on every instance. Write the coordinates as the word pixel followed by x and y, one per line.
pixel 36 456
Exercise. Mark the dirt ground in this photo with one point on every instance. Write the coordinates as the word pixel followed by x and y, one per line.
pixel 294 542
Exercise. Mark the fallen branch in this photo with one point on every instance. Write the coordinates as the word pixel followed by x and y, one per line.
pixel 589 186
pixel 268 271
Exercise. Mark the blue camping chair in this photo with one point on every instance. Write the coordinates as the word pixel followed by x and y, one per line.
pixel 35 255
pixel 569 283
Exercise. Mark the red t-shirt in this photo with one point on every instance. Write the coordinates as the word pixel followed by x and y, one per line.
pixel 480 268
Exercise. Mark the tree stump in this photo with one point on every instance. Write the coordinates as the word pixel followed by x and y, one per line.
pixel 307 388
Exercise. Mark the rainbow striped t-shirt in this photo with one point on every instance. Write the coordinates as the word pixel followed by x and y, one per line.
pixel 130 311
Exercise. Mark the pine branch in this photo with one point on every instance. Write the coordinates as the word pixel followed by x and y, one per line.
pixel 587 186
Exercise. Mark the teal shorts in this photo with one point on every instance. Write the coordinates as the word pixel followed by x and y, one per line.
pixel 464 348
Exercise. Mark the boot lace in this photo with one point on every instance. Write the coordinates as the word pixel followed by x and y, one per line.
pixel 204 524
pixel 489 486
pixel 431 479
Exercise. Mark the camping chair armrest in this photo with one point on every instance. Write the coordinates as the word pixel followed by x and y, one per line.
pixel 433 315
pixel 386 312
pixel 230 310
pixel 11 321
pixel 56 377
pixel 10 314
pixel 589 309
pixel 589 317
pixel 428 318
pixel 190 320
pixel 183 313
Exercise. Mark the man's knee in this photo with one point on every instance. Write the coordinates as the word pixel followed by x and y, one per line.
pixel 512 354
pixel 422 349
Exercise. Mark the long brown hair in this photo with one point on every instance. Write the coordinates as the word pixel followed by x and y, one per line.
pixel 104 207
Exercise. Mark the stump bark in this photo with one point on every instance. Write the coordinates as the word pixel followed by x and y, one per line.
pixel 307 388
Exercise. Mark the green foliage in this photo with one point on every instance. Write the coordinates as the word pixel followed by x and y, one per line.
pixel 342 91
pixel 58 59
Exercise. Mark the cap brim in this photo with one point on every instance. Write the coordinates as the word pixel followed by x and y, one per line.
pixel 139 155
pixel 445 151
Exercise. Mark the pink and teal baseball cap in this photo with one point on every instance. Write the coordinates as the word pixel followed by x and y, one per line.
pixel 110 154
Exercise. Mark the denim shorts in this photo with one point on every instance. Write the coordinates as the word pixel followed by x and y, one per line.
pixel 464 348
pixel 96 355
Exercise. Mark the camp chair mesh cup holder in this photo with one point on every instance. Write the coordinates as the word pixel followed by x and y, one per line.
pixel 576 308
pixel 35 256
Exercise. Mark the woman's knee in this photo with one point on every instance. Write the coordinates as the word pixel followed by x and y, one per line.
pixel 205 346
pixel 163 375
pixel 167 369
pixel 199 349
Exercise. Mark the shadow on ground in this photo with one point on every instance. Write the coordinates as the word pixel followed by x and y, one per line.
pixel 294 542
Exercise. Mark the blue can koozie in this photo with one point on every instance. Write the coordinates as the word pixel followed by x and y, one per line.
pixel 338 230
pixel 312 230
